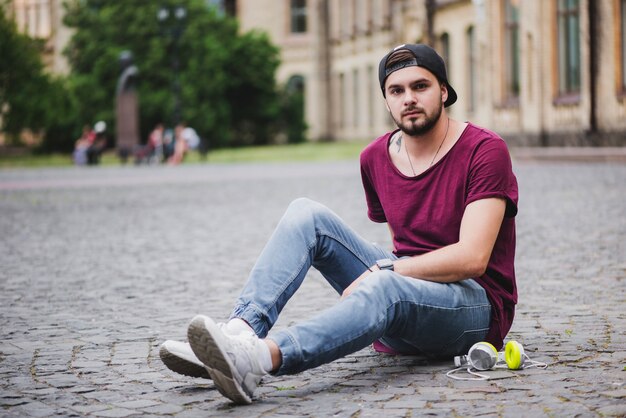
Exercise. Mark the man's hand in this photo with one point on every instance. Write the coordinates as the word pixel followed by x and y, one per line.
pixel 357 281
pixel 467 258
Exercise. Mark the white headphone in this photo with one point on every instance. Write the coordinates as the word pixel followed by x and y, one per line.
pixel 483 356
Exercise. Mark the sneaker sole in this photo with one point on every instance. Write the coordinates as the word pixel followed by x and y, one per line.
pixel 182 366
pixel 207 350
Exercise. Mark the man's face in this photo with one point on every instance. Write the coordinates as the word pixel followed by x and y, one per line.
pixel 414 99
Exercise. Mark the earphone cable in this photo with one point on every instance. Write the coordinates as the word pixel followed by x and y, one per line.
pixel 479 376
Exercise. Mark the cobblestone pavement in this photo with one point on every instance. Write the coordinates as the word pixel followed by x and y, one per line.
pixel 99 266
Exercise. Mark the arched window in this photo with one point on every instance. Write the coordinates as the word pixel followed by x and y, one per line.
pixel 295 84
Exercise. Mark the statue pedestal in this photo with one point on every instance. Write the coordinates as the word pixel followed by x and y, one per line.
pixel 127 115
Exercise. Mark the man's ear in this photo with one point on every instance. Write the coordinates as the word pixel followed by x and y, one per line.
pixel 387 106
pixel 444 92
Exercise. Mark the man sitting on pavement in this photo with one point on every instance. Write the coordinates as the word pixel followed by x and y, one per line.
pixel 448 194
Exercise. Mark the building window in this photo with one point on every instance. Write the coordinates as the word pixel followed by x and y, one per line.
pixel 295 84
pixel 369 15
pixel 471 66
pixel 342 101
pixel 298 16
pixel 622 28
pixel 294 113
pixel 371 89
pixel 376 15
pixel 511 50
pixel 356 88
pixel 444 50
pixel 568 45
pixel 360 18
pixel 230 7
pixel 224 7
pixel 33 17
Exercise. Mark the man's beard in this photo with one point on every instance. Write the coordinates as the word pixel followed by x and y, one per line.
pixel 415 127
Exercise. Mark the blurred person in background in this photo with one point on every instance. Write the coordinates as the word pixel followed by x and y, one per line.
pixel 152 151
pixel 181 146
pixel 98 143
pixel 82 145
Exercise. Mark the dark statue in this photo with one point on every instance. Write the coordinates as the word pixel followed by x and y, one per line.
pixel 127 107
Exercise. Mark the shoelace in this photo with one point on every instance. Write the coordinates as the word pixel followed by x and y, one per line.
pixel 244 344
pixel 223 327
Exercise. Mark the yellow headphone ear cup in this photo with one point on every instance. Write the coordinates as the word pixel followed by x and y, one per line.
pixel 514 355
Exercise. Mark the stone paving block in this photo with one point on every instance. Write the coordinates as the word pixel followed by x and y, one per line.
pixel 136 404
pixel 375 397
pixel 186 399
pixel 491 388
pixel 35 409
pixel 366 383
pixel 88 409
pixel 40 392
pixel 14 401
pixel 466 396
pixel 345 411
pixel 164 386
pixel 114 413
pixel 377 412
pixel 612 410
pixel 405 402
pixel 396 390
pixel 103 395
pixel 163 409
pixel 618 394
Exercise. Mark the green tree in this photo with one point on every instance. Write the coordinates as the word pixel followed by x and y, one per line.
pixel 62 127
pixel 227 87
pixel 29 98
pixel 292 110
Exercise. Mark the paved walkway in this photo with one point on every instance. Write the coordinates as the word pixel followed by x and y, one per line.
pixel 99 266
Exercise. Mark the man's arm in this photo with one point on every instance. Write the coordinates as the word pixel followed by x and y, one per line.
pixel 467 258
pixel 463 260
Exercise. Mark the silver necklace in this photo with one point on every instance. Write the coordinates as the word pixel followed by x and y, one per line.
pixel 434 156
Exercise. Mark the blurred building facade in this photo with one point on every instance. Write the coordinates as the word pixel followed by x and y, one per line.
pixel 43 19
pixel 539 72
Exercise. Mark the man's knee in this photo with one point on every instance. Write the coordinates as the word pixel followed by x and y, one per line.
pixel 379 282
pixel 303 204
pixel 304 209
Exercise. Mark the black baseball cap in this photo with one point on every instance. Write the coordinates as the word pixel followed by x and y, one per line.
pixel 425 57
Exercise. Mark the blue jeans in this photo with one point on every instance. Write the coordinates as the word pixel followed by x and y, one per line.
pixel 409 315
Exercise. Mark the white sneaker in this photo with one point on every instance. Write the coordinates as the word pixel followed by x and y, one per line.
pixel 179 357
pixel 233 361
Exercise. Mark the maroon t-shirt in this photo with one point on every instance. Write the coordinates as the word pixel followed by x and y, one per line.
pixel 425 211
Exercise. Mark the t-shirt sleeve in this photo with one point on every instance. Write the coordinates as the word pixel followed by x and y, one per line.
pixel 374 208
pixel 491 175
